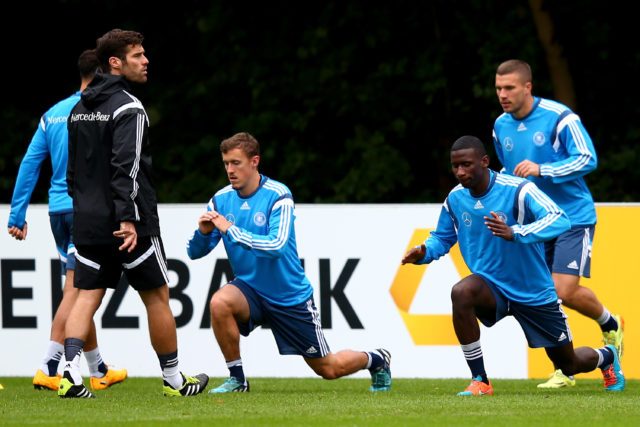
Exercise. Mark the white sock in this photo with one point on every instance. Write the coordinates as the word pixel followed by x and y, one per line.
pixel 173 376
pixel 73 368
pixel 54 352
pixel 94 359
pixel 472 350
pixel 604 317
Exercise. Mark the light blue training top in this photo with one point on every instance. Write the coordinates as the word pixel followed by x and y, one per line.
pixel 261 243
pixel 50 139
pixel 552 136
pixel 518 268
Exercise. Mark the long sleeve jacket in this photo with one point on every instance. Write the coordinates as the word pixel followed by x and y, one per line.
pixel 109 169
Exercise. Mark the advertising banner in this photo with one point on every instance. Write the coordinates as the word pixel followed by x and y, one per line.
pixel 351 254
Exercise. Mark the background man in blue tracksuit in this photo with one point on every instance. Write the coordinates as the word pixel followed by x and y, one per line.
pixel 545 142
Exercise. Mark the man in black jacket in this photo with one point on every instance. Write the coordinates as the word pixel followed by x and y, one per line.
pixel 115 224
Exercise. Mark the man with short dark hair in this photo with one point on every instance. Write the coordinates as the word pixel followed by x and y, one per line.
pixel 50 140
pixel 116 227
pixel 500 223
pixel 545 142
pixel 254 218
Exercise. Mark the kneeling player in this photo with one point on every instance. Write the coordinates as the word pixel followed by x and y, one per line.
pixel 254 217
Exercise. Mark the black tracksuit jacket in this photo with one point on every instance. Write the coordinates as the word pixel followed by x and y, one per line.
pixel 109 168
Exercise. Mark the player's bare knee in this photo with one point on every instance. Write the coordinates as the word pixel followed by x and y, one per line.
pixel 327 372
pixel 563 293
pixel 218 306
pixel 461 294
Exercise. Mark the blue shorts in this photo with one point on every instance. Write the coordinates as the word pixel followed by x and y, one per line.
pixel 62 228
pixel 570 252
pixel 296 329
pixel 543 325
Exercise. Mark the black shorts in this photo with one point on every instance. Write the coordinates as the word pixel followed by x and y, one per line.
pixel 101 266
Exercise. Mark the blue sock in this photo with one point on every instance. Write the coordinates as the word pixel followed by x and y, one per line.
pixel 610 325
pixel 607 356
pixel 376 361
pixel 235 370
pixel 473 355
pixel 169 360
pixel 102 367
pixel 52 366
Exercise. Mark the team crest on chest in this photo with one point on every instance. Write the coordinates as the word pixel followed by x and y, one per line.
pixel 502 216
pixel 539 138
pixel 229 217
pixel 259 219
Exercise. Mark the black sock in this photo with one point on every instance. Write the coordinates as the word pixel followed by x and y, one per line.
pixel 610 325
pixel 236 371
pixel 473 355
pixel 102 368
pixel 72 348
pixel 607 356
pixel 377 361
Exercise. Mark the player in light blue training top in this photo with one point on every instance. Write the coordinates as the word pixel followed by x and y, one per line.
pixel 545 142
pixel 500 223
pixel 51 140
pixel 261 243
pixel 254 218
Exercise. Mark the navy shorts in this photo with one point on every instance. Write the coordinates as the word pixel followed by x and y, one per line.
pixel 543 325
pixel 570 252
pixel 296 329
pixel 101 266
pixel 62 228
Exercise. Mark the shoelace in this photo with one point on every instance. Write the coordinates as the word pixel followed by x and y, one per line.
pixel 474 385
pixel 609 376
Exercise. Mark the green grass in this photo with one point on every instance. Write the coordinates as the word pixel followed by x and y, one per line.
pixel 311 402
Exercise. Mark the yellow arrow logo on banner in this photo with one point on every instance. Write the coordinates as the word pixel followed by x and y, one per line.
pixel 425 329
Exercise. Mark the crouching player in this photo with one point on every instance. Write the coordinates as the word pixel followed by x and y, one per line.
pixel 500 223
pixel 254 218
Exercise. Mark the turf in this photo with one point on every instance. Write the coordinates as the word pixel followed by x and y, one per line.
pixel 311 402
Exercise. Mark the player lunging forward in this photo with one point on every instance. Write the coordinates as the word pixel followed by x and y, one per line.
pixel 254 217
pixel 500 222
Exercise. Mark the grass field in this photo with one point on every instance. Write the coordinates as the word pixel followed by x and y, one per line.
pixel 311 402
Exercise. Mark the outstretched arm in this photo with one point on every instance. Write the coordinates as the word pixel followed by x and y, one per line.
pixel 414 254
pixel 437 244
